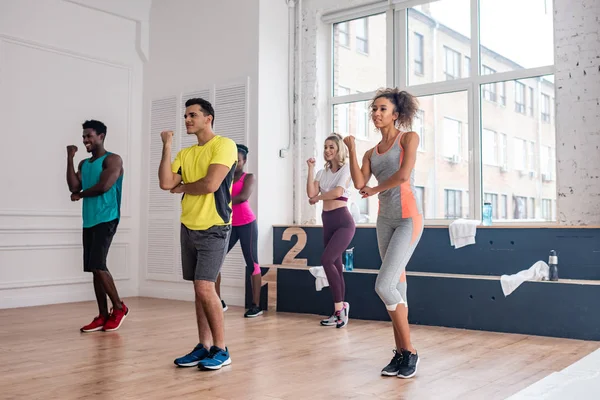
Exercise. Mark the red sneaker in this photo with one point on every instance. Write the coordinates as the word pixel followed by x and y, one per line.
pixel 96 325
pixel 116 318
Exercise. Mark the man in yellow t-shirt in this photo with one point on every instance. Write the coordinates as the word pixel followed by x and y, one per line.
pixel 203 173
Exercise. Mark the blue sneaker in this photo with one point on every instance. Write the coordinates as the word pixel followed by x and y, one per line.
pixel 216 359
pixel 193 358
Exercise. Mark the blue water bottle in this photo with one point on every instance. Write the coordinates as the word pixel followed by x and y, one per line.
pixel 349 259
pixel 487 214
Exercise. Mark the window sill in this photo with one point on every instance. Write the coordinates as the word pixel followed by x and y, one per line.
pixel 441 225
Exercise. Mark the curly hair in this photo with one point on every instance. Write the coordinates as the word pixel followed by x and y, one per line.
pixel 405 104
pixel 342 153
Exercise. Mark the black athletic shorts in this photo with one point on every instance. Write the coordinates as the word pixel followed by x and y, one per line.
pixel 96 242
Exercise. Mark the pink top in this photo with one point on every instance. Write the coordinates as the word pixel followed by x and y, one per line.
pixel 242 213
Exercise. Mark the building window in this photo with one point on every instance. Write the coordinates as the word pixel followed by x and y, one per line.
pixel 467 67
pixel 420 194
pixel 362 35
pixel 545 108
pixel 452 65
pixel 489 90
pixel 531 208
pixel 530 101
pixel 492 198
pixel 363 205
pixel 520 154
pixel 343 34
pixel 519 207
pixel 547 209
pixel 417 126
pixel 503 206
pixel 519 97
pixel 547 163
pixel 531 156
pixel 453 203
pixel 452 138
pixel 501 93
pixel 419 54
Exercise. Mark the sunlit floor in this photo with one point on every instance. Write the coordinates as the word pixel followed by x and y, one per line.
pixel 277 356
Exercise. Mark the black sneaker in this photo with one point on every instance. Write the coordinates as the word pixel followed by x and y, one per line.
pixel 394 366
pixel 408 367
pixel 253 311
pixel 224 306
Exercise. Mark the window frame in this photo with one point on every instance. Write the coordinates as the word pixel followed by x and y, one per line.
pixel 397 75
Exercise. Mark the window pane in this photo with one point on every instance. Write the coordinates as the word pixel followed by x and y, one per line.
pixel 445 29
pixel 519 165
pixel 359 54
pixel 443 170
pixel 353 119
pixel 528 43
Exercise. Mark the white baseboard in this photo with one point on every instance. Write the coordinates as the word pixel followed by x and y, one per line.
pixel 184 291
pixel 38 296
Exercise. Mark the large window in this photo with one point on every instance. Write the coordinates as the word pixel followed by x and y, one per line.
pixel 485 97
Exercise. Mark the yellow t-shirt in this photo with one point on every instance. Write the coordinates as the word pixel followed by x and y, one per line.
pixel 203 211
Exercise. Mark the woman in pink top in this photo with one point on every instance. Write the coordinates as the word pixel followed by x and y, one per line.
pixel 245 229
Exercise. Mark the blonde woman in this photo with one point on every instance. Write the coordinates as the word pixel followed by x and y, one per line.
pixel 332 185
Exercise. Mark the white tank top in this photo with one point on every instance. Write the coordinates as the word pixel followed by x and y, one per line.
pixel 330 180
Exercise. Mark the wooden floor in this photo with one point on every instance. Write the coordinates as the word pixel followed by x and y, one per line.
pixel 278 356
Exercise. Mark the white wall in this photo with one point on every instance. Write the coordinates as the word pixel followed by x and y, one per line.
pixel 275 174
pixel 577 101
pixel 577 39
pixel 213 43
pixel 56 71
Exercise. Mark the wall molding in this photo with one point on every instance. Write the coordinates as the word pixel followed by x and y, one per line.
pixel 142 44
pixel 62 51
pixel 126 211
pixel 53 229
pixel 123 276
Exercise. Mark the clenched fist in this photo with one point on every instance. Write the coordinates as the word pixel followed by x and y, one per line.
pixel 71 150
pixel 167 137
pixel 311 162
pixel 349 142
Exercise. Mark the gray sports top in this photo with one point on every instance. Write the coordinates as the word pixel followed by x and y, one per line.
pixel 400 201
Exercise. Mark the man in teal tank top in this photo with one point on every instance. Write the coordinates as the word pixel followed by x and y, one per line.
pixel 98 182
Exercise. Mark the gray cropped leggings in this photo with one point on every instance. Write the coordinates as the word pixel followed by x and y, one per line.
pixel 397 240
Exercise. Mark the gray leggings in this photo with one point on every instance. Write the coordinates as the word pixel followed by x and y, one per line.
pixel 397 240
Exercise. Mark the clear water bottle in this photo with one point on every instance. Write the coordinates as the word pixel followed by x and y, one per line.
pixel 553 264
pixel 487 214
pixel 349 259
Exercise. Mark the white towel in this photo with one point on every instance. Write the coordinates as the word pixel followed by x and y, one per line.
pixel 537 272
pixel 320 277
pixel 462 232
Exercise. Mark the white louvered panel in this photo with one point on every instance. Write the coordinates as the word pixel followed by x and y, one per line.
pixel 231 111
pixel 234 267
pixel 160 247
pixel 190 140
pixel 177 238
pixel 163 117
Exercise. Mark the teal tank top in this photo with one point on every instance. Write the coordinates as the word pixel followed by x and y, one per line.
pixel 107 206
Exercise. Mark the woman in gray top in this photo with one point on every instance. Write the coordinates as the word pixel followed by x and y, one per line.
pixel 400 218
